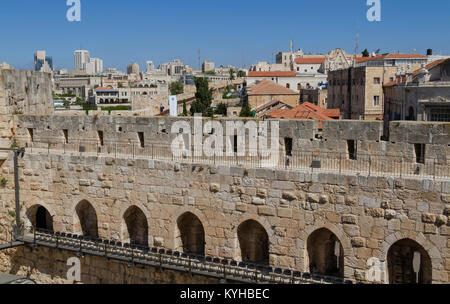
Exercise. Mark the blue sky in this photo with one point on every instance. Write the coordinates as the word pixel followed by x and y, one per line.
pixel 226 32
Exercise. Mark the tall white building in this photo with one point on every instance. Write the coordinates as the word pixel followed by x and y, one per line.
pixel 82 59
pixel 150 66
pixel 95 66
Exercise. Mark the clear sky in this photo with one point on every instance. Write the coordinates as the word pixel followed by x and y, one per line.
pixel 226 32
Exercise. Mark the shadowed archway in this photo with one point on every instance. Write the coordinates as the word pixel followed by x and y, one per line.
pixel 137 226
pixel 40 218
pixel 87 218
pixel 404 258
pixel 191 234
pixel 325 253
pixel 254 242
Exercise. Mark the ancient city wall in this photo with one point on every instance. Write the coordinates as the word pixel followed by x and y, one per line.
pixel 366 214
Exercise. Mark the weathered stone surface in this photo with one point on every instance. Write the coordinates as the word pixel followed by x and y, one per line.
pixel 349 219
pixel 290 196
pixel 358 242
pixel 441 220
pixel 375 212
pixel 266 210
pixel 313 198
pixel 390 214
pixel 428 218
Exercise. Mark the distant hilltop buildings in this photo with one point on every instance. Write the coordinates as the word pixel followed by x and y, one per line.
pixel 83 62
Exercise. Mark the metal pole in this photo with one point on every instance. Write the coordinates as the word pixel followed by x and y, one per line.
pixel 17 189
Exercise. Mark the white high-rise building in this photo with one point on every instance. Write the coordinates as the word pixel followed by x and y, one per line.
pixel 150 66
pixel 94 66
pixel 82 59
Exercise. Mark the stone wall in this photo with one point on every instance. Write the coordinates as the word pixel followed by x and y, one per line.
pixel 366 214
pixel 305 135
pixel 22 92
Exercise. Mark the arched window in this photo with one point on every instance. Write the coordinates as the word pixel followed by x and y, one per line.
pixel 408 263
pixel 40 218
pixel 325 253
pixel 137 226
pixel 87 218
pixel 191 234
pixel 254 242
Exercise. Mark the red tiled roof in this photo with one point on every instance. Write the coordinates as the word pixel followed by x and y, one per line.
pixel 311 60
pixel 389 56
pixel 267 87
pixel 272 74
pixel 306 110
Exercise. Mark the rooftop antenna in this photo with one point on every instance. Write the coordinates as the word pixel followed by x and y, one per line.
pixel 356 45
pixel 199 61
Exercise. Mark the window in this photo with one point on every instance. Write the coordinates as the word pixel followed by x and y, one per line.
pixel 30 132
pixel 352 146
pixel 376 80
pixel 376 101
pixel 420 153
pixel 288 85
pixel 141 139
pixel 66 136
pixel 288 146
pixel 235 143
pixel 100 137
pixel 391 79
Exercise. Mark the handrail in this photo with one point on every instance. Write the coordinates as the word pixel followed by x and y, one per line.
pixel 315 161
pixel 177 261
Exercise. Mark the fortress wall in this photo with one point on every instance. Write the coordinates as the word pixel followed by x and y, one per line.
pixel 367 214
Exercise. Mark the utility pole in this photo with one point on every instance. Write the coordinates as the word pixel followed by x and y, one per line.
pixel 17 152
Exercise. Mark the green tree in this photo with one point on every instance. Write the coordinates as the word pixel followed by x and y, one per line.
pixel 246 111
pixel 211 73
pixel 365 53
pixel 176 88
pixel 232 74
pixel 185 113
pixel 203 98
pixel 120 85
pixel 221 109
pixel 240 74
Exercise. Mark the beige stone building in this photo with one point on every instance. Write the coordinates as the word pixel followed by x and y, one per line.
pixel 358 92
pixel 266 91
pixel 422 95
pixel 207 66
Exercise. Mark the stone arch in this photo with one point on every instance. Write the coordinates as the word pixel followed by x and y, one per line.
pixel 325 253
pixel 253 242
pixel 190 236
pixel 432 251
pixel 347 248
pixel 39 217
pixel 135 226
pixel 246 217
pixel 175 241
pixel 87 222
pixel 400 263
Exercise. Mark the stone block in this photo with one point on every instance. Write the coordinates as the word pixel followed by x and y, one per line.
pixel 375 212
pixel 428 218
pixel 349 219
pixel 285 212
pixel 358 242
pixel 266 210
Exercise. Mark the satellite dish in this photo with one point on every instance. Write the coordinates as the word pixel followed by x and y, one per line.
pixel 416 265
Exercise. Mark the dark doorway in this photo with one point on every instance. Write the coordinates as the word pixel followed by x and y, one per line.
pixel 192 234
pixel 254 242
pixel 326 254
pixel 406 256
pixel 137 226
pixel 87 218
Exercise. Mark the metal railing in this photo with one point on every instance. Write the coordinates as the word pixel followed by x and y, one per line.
pixel 314 161
pixel 222 269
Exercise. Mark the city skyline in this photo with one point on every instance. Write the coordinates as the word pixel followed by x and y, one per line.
pixel 160 34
